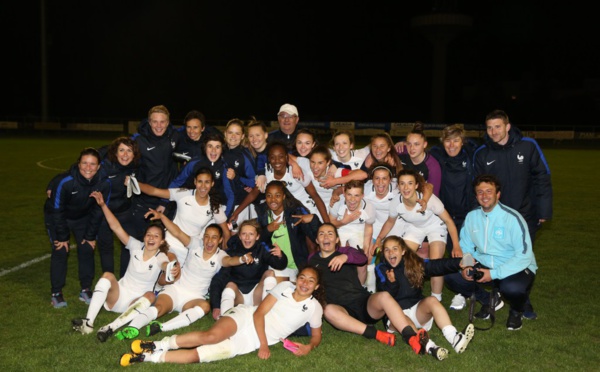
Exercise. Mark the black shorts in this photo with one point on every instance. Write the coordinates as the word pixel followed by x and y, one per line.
pixel 358 310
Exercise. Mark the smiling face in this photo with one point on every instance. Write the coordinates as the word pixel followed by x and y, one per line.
pixel 343 147
pixel 257 138
pixel 214 149
pixel 381 182
pixel 407 184
pixel 318 165
pixel 212 239
pixel 304 144
pixel 453 145
pixel 353 196
pixel 153 238
pixel 393 252
pixel 497 130
pixel 380 148
pixel 204 182
pixel 327 240
pixel 287 122
pixel 124 154
pixel 307 282
pixel 88 166
pixel 234 135
pixel 194 129
pixel 487 196
pixel 159 123
pixel 274 197
pixel 249 236
pixel 415 145
pixel 278 159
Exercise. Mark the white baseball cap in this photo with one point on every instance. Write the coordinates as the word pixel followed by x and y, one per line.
pixel 289 109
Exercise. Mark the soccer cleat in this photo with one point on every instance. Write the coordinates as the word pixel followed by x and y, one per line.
pixel 139 347
pixel 153 328
pixel 128 333
pixel 85 296
pixel 104 333
pixel 458 302
pixel 81 325
pixel 419 341
pixel 386 338
pixel 438 353
pixel 514 321
pixel 57 301
pixel 129 359
pixel 462 339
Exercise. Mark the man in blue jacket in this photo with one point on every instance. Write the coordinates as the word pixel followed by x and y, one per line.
pixel 498 239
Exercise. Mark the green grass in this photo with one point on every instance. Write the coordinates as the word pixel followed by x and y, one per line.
pixel 566 336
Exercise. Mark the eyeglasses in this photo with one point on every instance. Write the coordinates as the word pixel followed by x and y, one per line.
pixel 286 116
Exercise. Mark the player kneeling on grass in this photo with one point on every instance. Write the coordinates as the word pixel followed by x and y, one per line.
pixel 133 293
pixel 244 329
pixel 402 272
pixel 246 284
pixel 187 295
pixel 350 307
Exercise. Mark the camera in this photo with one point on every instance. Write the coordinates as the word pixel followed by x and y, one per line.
pixel 473 273
pixel 233 226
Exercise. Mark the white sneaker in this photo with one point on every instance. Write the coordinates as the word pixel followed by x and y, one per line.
pixel 458 302
pixel 462 339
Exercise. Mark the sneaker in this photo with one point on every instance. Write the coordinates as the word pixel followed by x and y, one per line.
pixel 528 312
pixel 458 302
pixel 386 338
pixel 128 333
pixel 85 296
pixel 139 347
pixel 462 339
pixel 153 328
pixel 419 341
pixel 484 312
pixel 438 353
pixel 58 301
pixel 498 303
pixel 514 321
pixel 82 325
pixel 129 359
pixel 104 333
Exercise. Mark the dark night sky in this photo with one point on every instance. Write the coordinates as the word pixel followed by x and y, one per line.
pixel 362 62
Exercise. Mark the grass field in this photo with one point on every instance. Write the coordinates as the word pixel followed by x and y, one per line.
pixel 566 336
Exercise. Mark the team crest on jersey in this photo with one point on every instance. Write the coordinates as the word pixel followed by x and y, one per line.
pixel 150 267
pixel 304 308
pixel 520 158
pixel 208 212
pixel 256 261
pixel 212 263
pixel 499 233
pixel 361 220
pixel 236 164
pixel 217 174
pixel 356 164
pixel 289 184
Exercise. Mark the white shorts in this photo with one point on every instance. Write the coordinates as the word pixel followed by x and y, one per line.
pixel 244 341
pixel 247 213
pixel 180 296
pixel 249 297
pixel 398 229
pixel 292 274
pixel 126 297
pixel 435 233
pixel 412 314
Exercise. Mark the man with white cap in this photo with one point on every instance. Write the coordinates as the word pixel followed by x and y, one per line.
pixel 288 121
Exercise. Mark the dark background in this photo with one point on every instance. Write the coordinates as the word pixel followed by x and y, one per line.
pixel 348 62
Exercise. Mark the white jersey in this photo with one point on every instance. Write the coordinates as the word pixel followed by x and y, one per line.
pixel 287 315
pixel 295 187
pixel 382 206
pixel 197 273
pixel 192 218
pixel 354 232
pixel 414 217
pixel 141 275
pixel 357 157
pixel 324 193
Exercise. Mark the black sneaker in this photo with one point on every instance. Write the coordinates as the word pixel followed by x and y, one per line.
pixel 484 313
pixel 58 301
pixel 515 321
pixel 85 296
pixel 528 312
pixel 129 359
pixel 104 333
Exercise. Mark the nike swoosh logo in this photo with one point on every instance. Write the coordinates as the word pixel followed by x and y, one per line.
pixel 490 162
pixel 112 176
pixel 186 203
pixel 277 237
pixel 150 148
pixel 74 192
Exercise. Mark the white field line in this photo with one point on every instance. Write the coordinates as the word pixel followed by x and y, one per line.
pixel 41 163
pixel 30 262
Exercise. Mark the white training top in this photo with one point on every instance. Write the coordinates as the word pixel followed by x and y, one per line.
pixel 198 272
pixel 354 232
pixel 192 218
pixel 382 206
pixel 295 187
pixel 414 217
pixel 287 315
pixel 357 157
pixel 141 275
pixel 325 194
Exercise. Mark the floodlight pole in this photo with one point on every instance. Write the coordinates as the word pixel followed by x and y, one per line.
pixel 44 62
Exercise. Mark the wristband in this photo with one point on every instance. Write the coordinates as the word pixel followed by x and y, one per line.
pixel 242 259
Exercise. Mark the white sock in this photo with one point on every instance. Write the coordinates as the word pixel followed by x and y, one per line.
pixel 437 295
pixel 144 317
pixel 132 311
pixel 184 319
pixel 429 346
pixel 155 357
pixel 227 300
pixel 370 282
pixel 167 343
pixel 269 283
pixel 449 332
pixel 98 299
